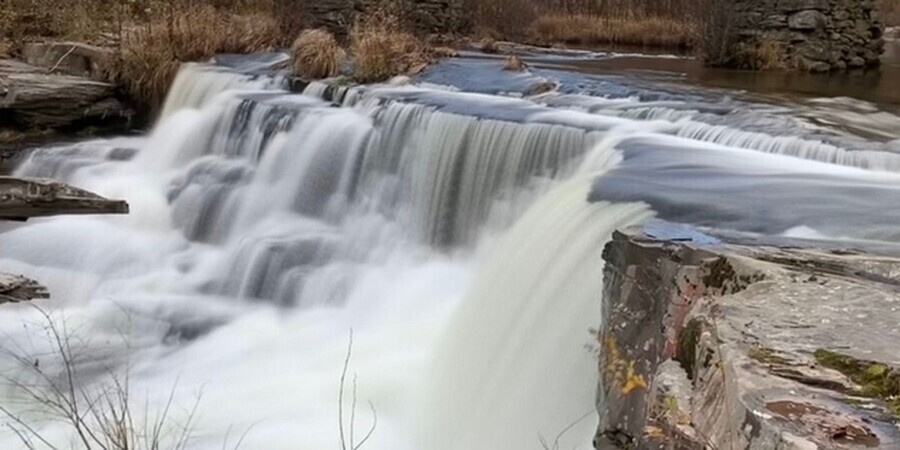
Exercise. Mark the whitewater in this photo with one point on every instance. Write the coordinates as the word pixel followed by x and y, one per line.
pixel 456 236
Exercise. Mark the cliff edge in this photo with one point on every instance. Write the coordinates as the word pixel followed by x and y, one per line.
pixel 733 343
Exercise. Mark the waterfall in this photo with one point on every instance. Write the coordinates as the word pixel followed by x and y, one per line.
pixel 198 84
pixel 452 232
pixel 265 225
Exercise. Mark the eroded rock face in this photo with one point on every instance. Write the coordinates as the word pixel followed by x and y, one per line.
pixel 712 344
pixel 815 35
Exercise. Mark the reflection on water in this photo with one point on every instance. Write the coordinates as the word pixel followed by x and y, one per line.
pixel 874 86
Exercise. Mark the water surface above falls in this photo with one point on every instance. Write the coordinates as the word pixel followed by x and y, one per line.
pixel 458 234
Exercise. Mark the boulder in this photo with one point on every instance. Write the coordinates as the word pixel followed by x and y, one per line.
pixel 32 98
pixel 807 20
pixel 23 198
pixel 732 341
pixel 69 58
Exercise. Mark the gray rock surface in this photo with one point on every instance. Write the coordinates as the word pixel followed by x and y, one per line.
pixel 69 58
pixel 31 98
pixel 732 344
pixel 22 198
pixel 16 288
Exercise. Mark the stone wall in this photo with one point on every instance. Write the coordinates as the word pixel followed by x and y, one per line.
pixel 427 16
pixel 815 35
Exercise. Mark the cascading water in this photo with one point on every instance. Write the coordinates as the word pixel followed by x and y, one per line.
pixel 371 218
pixel 460 248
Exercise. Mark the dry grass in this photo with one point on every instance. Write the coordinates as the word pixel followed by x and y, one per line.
pixel 151 53
pixel 514 64
pixel 317 54
pixel 580 29
pixel 890 12
pixel 767 54
pixel 382 49
pixel 152 37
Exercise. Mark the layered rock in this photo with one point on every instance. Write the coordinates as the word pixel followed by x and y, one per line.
pixel 740 344
pixel 16 288
pixel 69 58
pixel 23 198
pixel 33 98
pixel 815 35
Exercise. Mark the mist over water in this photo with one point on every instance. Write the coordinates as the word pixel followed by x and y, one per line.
pixel 457 235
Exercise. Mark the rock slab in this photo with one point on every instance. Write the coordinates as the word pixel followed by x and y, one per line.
pixel 32 98
pixel 712 343
pixel 23 198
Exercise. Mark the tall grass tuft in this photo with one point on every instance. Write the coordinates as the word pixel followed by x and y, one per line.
pixel 317 54
pixel 382 49
pixel 581 29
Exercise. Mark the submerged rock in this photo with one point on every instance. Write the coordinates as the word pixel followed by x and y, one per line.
pixel 743 344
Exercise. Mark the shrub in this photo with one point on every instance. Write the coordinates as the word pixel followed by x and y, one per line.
pixel 317 54
pixel 151 52
pixel 251 32
pixel 766 54
pixel 383 50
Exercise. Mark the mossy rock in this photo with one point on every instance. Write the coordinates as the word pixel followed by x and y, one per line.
pixel 876 380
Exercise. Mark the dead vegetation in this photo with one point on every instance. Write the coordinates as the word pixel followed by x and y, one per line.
pixel 579 29
pixel 317 54
pixel 103 413
pixel 382 49
pixel 645 23
pixel 890 12
pixel 151 37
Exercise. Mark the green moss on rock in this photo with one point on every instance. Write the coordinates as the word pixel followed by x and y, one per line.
pixel 876 380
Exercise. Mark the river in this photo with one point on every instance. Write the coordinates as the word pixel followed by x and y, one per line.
pixel 452 223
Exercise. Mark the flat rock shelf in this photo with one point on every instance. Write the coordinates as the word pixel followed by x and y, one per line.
pixel 713 342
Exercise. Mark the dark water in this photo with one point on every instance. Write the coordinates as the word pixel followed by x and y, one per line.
pixel 876 86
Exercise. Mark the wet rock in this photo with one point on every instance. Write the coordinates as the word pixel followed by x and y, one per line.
pixel 30 98
pixel 729 342
pixel 16 288
pixel 23 198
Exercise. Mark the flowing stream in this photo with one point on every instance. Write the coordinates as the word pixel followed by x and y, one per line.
pixel 457 234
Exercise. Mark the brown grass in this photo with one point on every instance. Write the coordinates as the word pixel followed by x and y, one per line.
pixel 151 53
pixel 382 49
pixel 580 29
pixel 151 37
pixel 890 12
pixel 514 64
pixel 767 54
pixel 317 54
